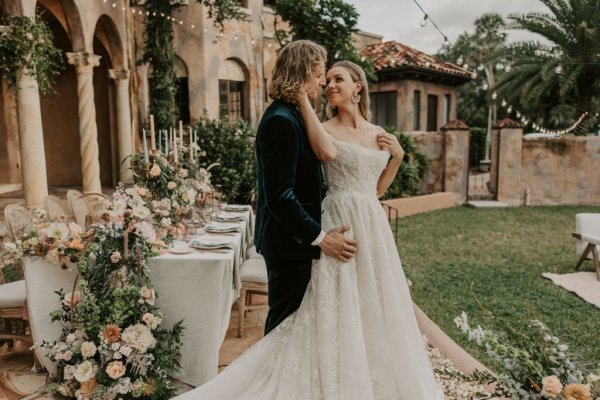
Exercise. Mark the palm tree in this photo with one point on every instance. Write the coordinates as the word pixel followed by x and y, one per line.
pixel 566 70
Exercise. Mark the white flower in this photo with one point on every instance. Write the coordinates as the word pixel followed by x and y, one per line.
pixel 166 222
pixel 88 349
pixel 115 346
pixel 67 355
pixel 146 230
pixel 148 318
pixel 11 247
pixel 183 173
pixel 71 337
pixel 477 334
pixel 462 322
pixel 84 372
pixel 563 347
pixel 125 350
pixel 69 372
pixel 138 337
pixel 117 355
pixel 141 212
pixel 57 230
pixel 124 386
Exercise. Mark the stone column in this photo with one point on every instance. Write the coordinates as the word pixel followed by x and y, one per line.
pixel 31 138
pixel 88 131
pixel 456 159
pixel 510 146
pixel 121 78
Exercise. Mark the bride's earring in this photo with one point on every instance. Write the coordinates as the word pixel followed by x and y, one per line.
pixel 355 98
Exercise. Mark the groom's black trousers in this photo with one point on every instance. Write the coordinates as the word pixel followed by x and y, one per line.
pixel 288 280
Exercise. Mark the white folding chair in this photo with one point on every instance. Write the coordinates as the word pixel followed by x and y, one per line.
pixel 587 233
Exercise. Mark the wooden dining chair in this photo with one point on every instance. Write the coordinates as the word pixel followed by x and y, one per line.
pixel 57 208
pixel 84 204
pixel 253 274
pixel 17 219
pixel 13 294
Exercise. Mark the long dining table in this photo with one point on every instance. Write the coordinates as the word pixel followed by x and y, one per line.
pixel 196 286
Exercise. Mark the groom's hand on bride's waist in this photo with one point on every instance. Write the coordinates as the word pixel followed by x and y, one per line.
pixel 335 244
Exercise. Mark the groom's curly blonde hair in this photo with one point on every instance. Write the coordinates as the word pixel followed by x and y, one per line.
pixel 294 66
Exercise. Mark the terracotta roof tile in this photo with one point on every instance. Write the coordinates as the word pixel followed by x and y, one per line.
pixel 455 124
pixel 390 55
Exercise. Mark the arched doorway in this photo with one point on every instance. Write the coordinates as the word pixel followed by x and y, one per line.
pixel 60 109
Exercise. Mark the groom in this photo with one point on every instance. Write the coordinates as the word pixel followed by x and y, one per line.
pixel 290 185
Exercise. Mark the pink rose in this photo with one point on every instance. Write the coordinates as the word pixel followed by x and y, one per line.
pixel 148 318
pixel 115 369
pixel 551 386
pixel 115 257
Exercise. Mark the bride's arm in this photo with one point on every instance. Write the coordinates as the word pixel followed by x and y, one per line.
pixel 389 142
pixel 318 137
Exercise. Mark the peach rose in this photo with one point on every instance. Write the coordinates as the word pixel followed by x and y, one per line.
pixel 148 295
pixel 148 318
pixel 171 185
pixel 115 257
pixel 551 386
pixel 155 170
pixel 115 369
pixel 71 299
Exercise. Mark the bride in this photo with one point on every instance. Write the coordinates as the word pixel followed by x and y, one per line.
pixel 355 335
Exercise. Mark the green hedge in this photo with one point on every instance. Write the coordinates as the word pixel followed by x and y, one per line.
pixel 414 166
pixel 231 144
pixel 477 146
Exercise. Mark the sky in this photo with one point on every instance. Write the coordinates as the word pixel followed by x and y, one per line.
pixel 399 19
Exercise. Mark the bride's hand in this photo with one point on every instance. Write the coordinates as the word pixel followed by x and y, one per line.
pixel 302 100
pixel 390 142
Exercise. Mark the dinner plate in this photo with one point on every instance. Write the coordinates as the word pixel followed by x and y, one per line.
pixel 181 250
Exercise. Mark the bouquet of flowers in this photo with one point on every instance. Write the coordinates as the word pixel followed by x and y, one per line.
pixel 536 364
pixel 58 242
pixel 112 345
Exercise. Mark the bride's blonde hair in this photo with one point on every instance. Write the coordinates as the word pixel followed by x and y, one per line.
pixel 358 75
pixel 295 64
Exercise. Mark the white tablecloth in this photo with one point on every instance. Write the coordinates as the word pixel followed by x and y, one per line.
pixel 198 288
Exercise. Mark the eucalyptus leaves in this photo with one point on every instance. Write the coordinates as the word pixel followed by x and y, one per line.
pixel 26 45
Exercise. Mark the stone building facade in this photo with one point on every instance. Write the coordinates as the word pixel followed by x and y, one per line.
pixel 80 136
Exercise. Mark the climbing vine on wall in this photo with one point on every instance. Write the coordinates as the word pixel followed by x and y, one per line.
pixel 160 54
pixel 27 45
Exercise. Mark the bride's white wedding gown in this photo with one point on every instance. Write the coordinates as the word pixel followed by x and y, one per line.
pixel 355 336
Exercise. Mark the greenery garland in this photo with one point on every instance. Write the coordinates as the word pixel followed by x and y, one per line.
pixel 26 45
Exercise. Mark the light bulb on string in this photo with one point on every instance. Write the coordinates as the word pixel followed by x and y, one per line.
pixel 446 41
pixel 509 109
pixel 423 22
pixel 466 66
pixel 460 60
pixel 474 75
pixel 518 114
pixel 494 96
pixel 485 86
pixel 504 103
pixel 480 67
pixel 558 69
pixel 507 68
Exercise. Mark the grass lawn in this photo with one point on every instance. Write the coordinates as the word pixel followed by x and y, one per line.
pixel 503 253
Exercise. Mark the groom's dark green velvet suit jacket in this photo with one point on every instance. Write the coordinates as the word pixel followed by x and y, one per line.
pixel 289 187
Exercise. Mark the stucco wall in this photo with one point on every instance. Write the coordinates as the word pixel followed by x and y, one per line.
pixel 432 145
pixel 562 171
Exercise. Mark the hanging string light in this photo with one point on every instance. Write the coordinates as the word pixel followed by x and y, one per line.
pixel 427 18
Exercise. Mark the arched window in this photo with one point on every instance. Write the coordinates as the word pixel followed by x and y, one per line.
pixel 232 90
pixel 183 92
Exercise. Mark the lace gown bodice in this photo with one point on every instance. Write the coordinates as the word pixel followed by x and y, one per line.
pixel 355 170
pixel 355 335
